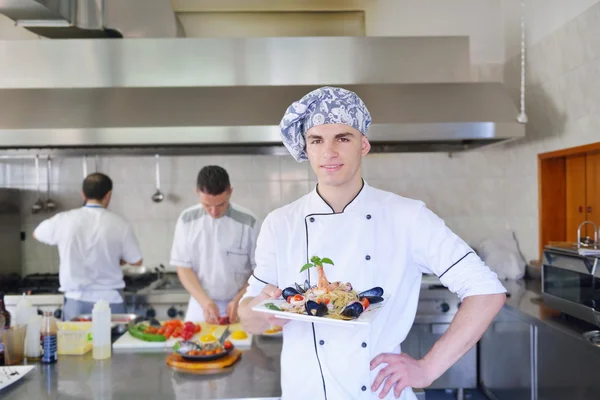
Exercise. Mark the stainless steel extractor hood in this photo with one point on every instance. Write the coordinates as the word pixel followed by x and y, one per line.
pixel 69 19
pixel 228 95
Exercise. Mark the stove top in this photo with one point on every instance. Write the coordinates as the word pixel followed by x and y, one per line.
pixel 49 283
pixel 35 284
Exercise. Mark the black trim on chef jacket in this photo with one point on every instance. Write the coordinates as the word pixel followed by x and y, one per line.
pixel 308 273
pixel 456 263
pixel 258 279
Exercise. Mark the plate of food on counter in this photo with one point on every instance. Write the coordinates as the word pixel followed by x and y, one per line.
pixel 207 348
pixel 146 333
pixel 335 303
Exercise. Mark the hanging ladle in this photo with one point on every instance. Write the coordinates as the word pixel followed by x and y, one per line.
pixel 39 204
pixel 50 205
pixel 157 197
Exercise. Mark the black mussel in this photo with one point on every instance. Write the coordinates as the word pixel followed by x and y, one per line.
pixel 306 285
pixel 373 299
pixel 316 309
pixel 353 310
pixel 289 291
pixel 375 292
pixel 300 289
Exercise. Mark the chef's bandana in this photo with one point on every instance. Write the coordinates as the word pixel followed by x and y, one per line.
pixel 326 105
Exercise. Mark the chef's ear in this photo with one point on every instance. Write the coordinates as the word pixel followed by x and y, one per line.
pixel 230 190
pixel 366 146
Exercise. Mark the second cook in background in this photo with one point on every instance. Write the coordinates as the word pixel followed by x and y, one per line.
pixel 213 249
pixel 92 244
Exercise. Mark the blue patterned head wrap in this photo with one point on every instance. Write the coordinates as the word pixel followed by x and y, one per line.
pixel 326 105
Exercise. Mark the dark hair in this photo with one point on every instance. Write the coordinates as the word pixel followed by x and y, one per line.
pixel 96 186
pixel 213 180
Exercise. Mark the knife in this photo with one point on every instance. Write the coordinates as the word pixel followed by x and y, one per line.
pixel 224 335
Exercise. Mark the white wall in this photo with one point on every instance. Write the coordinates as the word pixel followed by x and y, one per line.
pixel 8 30
pixel 542 17
pixel 481 20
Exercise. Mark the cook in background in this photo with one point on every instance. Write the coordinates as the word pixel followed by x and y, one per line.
pixel 375 238
pixel 93 243
pixel 213 249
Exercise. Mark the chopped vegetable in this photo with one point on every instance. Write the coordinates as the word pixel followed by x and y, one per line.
pixel 138 332
pixel 272 306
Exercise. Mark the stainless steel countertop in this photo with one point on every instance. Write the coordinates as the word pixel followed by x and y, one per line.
pixel 145 375
pixel 526 303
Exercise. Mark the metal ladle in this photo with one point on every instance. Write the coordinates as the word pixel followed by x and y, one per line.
pixel 157 197
pixel 50 205
pixel 39 204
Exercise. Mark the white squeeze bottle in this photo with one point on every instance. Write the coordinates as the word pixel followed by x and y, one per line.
pixel 101 330
pixel 24 311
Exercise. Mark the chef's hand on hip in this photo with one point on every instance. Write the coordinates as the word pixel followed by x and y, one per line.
pixel 271 292
pixel 401 372
pixel 211 312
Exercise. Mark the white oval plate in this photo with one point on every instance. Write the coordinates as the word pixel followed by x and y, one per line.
pixel 364 319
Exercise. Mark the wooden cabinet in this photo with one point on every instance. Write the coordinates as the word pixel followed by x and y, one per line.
pixel 569 193
pixel 583 194
pixel 592 187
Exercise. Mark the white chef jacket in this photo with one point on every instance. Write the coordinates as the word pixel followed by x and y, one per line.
pixel 380 239
pixel 91 242
pixel 219 250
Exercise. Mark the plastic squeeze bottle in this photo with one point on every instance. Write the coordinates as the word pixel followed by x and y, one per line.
pixel 24 311
pixel 101 330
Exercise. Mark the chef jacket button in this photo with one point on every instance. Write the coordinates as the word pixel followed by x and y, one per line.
pixel 364 388
pixel 368 216
pixel 368 257
pixel 312 219
pixel 364 344
pixel 321 342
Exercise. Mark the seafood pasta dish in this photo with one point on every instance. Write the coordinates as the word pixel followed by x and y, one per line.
pixel 336 300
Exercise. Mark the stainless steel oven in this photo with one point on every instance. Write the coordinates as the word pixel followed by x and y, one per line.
pixel 571 281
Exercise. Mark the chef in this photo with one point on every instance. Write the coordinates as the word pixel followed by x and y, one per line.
pixel 213 249
pixel 375 238
pixel 93 243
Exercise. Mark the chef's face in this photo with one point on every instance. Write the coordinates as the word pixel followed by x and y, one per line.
pixel 215 205
pixel 335 153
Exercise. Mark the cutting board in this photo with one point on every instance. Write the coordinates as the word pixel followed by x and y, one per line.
pixel 176 361
pixel 128 342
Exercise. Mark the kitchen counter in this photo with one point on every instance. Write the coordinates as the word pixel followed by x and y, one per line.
pixel 525 302
pixel 145 375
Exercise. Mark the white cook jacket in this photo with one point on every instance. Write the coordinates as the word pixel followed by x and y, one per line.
pixel 380 239
pixel 91 241
pixel 219 250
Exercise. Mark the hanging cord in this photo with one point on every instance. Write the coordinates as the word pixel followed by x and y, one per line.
pixel 522 117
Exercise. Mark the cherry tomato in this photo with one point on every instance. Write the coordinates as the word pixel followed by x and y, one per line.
pixel 298 297
pixel 227 345
pixel 365 303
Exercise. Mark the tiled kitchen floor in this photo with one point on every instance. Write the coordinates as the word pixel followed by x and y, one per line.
pixel 450 395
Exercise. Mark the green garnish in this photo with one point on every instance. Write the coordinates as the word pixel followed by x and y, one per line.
pixel 272 306
pixel 316 262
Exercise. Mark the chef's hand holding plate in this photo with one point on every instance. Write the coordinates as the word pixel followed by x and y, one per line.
pixel 401 372
pixel 271 292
